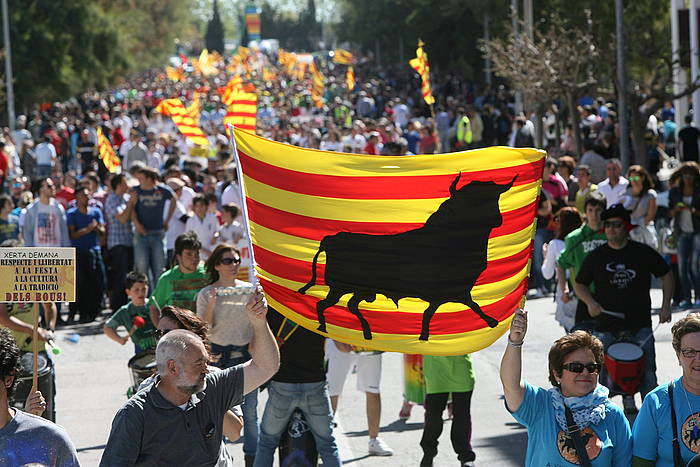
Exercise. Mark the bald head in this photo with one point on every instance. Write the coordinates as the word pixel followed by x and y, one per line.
pixel 174 345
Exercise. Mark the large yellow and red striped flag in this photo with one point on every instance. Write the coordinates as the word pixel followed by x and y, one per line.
pixel 106 150
pixel 364 249
pixel 421 65
pixel 183 120
pixel 243 111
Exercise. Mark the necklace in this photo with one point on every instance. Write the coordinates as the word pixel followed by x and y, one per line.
pixel 693 415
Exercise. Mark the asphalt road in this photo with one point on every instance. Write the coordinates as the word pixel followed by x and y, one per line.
pixel 92 379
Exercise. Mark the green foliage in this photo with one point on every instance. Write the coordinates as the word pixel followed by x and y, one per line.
pixel 214 38
pixel 295 31
pixel 60 48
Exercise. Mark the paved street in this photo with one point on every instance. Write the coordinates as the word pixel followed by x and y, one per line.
pixel 92 378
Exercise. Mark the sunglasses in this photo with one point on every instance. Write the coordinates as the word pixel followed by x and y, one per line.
pixel 229 261
pixel 613 224
pixel 635 178
pixel 161 332
pixel 577 367
pixel 689 353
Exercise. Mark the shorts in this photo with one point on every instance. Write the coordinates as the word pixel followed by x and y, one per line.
pixel 369 370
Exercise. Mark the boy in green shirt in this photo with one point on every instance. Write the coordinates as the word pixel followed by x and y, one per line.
pixel 180 285
pixel 143 337
pixel 577 245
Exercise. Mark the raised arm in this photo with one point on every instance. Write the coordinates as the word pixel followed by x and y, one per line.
pixel 265 356
pixel 511 364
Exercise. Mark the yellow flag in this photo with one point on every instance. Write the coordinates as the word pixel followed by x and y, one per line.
pixel 350 79
pixel 420 64
pixel 107 154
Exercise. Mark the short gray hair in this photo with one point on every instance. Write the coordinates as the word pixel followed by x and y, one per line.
pixel 172 346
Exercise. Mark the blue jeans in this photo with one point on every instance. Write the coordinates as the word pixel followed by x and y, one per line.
pixel 312 399
pixel 649 381
pixel 231 355
pixel 121 260
pixel 149 254
pixel 688 267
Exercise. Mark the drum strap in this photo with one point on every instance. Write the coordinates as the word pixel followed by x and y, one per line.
pixel 677 459
pixel 575 433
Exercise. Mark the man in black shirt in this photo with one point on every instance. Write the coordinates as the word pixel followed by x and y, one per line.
pixel 621 272
pixel 688 136
pixel 299 383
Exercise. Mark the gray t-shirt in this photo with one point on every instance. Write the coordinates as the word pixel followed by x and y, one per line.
pixel 231 324
pixel 638 205
pixel 29 439
pixel 149 430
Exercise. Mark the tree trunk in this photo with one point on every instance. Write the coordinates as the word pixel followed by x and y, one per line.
pixel 539 127
pixel 573 119
pixel 557 128
pixel 638 125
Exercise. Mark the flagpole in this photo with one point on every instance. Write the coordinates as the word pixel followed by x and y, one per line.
pixel 252 273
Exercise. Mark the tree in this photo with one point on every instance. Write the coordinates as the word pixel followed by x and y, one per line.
pixel 214 38
pixel 557 61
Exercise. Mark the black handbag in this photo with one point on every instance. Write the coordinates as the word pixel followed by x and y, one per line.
pixel 575 433
pixel 677 458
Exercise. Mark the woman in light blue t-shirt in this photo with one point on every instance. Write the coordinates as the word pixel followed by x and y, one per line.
pixel 575 361
pixel 653 431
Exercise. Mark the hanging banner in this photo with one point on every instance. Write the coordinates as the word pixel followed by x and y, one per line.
pixel 252 22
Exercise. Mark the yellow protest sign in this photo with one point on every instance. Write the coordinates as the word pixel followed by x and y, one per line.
pixel 37 275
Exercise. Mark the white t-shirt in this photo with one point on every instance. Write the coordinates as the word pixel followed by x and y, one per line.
pixel 335 146
pixel 613 194
pixel 231 234
pixel 356 143
pixel 47 229
pixel 176 226
pixel 186 197
pixel 205 230
pixel 231 195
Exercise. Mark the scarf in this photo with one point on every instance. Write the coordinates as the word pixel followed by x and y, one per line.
pixel 586 410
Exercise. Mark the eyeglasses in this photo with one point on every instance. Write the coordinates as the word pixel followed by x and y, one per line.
pixel 577 367
pixel 635 178
pixel 229 261
pixel 161 332
pixel 689 353
pixel 613 224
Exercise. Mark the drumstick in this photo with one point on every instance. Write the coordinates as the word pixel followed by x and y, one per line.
pixel 35 349
pixel 614 314
pixel 138 323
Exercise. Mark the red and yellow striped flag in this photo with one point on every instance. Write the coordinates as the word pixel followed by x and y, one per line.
pixel 194 108
pixel 233 86
pixel 318 83
pixel 420 64
pixel 369 249
pixel 175 74
pixel 350 79
pixel 106 150
pixel 243 111
pixel 183 120
pixel 343 57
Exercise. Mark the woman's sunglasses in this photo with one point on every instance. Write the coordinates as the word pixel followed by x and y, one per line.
pixel 635 178
pixel 577 367
pixel 229 261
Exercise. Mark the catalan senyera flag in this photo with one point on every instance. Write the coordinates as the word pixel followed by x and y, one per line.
pixel 421 65
pixel 175 74
pixel 183 120
pixel 343 57
pixel 106 150
pixel 414 254
pixel 205 64
pixel 243 111
pixel 234 85
pixel 194 109
pixel 350 79
pixel 318 83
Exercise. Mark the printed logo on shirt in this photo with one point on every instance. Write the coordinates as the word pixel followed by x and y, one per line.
pixel 690 433
pixel 46 223
pixel 567 449
pixel 621 276
pixel 590 245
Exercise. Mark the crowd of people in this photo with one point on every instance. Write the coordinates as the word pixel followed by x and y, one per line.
pixel 161 243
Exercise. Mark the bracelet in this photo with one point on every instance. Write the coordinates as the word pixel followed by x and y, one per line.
pixel 513 344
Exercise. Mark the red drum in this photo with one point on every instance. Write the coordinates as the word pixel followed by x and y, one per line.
pixel 625 364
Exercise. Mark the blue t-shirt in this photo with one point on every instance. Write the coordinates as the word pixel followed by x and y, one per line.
pixel 653 433
pixel 9 229
pixel 79 221
pixel 412 138
pixel 149 208
pixel 608 443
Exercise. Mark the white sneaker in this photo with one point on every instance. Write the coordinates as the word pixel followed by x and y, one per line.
pixel 377 447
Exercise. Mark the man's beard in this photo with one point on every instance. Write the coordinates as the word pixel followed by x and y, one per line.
pixel 190 389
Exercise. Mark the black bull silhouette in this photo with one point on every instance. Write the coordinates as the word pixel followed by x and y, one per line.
pixel 437 263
